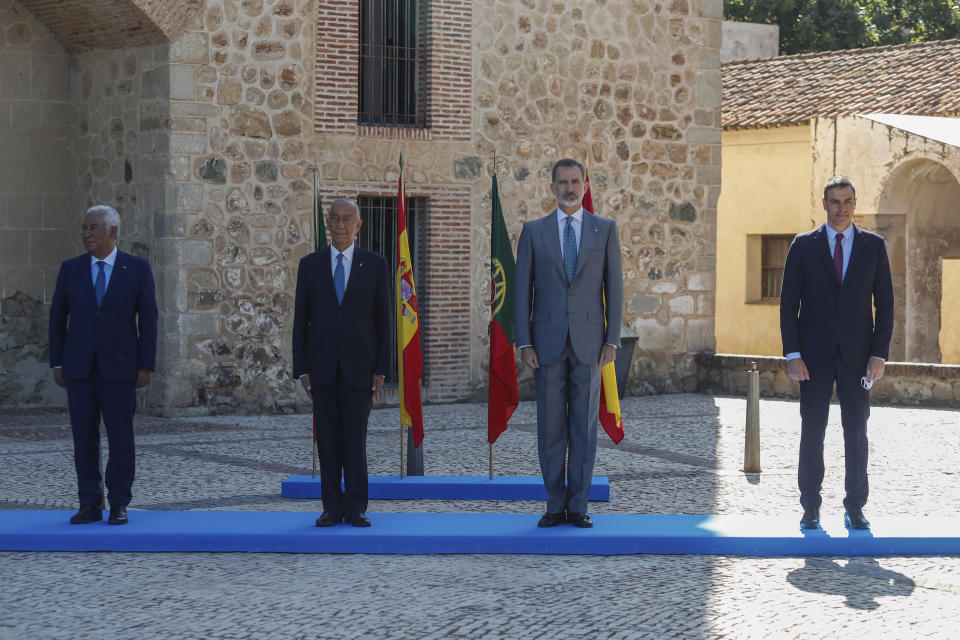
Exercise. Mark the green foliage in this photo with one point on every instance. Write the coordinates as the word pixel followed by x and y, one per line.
pixel 826 25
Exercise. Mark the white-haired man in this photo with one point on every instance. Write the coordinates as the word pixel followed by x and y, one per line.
pixel 103 345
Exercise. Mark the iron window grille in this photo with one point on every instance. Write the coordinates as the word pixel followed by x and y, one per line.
pixel 773 254
pixel 392 86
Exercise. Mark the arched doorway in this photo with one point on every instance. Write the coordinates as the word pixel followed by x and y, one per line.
pixel 919 214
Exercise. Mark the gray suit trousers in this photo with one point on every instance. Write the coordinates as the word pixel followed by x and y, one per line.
pixel 568 406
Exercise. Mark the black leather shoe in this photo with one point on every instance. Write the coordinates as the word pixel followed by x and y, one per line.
pixel 359 520
pixel 118 514
pixel 811 518
pixel 552 519
pixel 854 519
pixel 86 515
pixel 581 520
pixel 327 519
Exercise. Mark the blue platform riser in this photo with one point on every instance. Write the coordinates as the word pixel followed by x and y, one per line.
pixel 445 488
pixel 495 533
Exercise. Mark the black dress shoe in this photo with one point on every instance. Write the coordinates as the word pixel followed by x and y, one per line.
pixel 811 518
pixel 552 519
pixel 854 519
pixel 327 519
pixel 359 520
pixel 581 520
pixel 118 514
pixel 86 515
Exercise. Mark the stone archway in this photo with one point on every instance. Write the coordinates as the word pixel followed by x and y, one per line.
pixel 920 208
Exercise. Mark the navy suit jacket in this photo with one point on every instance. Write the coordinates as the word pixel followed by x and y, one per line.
pixel 816 312
pixel 355 334
pixel 122 333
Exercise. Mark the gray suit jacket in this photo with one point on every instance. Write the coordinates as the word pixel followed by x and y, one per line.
pixel 547 308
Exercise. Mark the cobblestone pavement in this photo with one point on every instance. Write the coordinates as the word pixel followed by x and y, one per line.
pixel 682 454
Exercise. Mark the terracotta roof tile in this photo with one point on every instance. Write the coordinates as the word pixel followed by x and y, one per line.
pixel 918 79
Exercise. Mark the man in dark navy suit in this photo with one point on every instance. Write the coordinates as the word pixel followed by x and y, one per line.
pixel 836 320
pixel 341 353
pixel 103 346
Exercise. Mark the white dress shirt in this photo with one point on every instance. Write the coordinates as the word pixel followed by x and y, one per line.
pixel 577 225
pixel 347 262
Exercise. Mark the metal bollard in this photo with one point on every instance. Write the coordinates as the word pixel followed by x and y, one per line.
pixel 751 443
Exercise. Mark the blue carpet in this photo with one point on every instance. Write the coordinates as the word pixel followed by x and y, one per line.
pixel 420 533
pixel 445 488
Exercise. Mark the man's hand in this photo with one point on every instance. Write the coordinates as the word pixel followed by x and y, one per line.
pixel 377 384
pixel 58 377
pixel 874 369
pixel 529 357
pixel 608 354
pixel 143 378
pixel 797 369
pixel 305 381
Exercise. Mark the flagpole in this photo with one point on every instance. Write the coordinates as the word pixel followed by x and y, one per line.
pixel 403 471
pixel 491 461
pixel 489 335
pixel 316 245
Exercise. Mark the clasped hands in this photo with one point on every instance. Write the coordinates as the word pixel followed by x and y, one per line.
pixel 375 388
pixel 797 369
pixel 528 355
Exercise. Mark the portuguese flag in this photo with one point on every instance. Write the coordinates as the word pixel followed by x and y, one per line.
pixel 610 417
pixel 409 358
pixel 503 392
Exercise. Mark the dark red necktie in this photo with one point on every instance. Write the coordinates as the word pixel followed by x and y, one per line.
pixel 838 258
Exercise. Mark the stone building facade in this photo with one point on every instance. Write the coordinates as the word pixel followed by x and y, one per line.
pixel 203 126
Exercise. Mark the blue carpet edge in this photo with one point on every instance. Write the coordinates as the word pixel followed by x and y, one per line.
pixel 474 533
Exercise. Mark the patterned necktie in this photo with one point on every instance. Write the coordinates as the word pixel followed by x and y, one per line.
pixel 570 249
pixel 338 278
pixel 100 286
pixel 838 258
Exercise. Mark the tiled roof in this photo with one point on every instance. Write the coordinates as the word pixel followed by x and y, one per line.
pixel 918 79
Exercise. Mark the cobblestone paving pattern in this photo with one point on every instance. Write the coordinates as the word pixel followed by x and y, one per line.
pixel 681 454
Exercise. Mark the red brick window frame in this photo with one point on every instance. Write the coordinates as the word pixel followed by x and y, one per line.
pixel 446 75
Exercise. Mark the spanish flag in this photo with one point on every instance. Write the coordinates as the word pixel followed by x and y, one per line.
pixel 409 358
pixel 610 416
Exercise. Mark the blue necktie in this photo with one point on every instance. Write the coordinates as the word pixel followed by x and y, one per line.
pixel 100 286
pixel 338 278
pixel 570 249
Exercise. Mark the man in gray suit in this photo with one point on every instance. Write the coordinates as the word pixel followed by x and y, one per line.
pixel 566 263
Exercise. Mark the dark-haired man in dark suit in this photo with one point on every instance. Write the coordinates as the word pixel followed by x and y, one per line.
pixel 836 320
pixel 103 346
pixel 341 352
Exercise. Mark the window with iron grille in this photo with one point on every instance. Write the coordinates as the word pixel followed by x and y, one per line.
pixel 773 253
pixel 391 63
pixel 379 233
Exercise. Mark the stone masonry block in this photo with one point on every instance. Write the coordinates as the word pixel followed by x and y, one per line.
pixel 657 337
pixel 198 324
pixel 183 82
pixel 15 75
pixel 15 247
pixel 190 48
pixel 187 143
pixel 700 335
pixel 175 252
pixel 50 247
pixel 28 280
pixel 60 211
pixel 26 117
pixel 189 197
pixel 709 89
pixel 703 135
pixel 50 77
pixel 701 282
pixel 23 210
pixel 711 9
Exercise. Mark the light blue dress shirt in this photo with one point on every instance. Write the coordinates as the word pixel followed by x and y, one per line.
pixel 109 261
pixel 562 226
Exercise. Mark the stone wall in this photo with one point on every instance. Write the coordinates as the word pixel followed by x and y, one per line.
pixel 633 89
pixel 39 199
pixel 749 41
pixel 207 147
pixel 903 383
